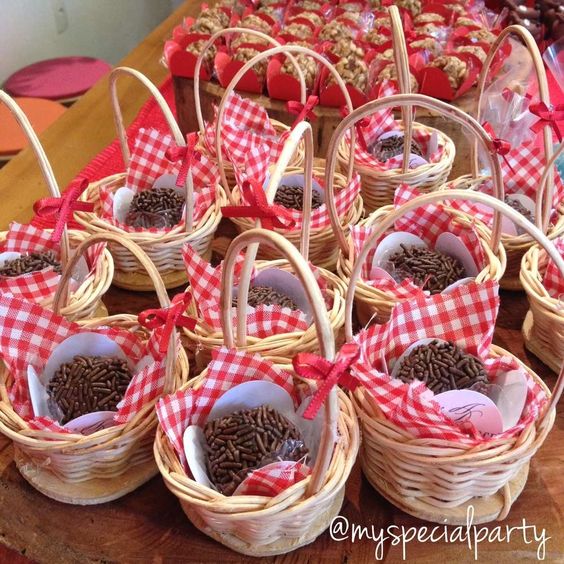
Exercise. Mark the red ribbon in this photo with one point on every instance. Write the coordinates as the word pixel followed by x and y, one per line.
pixel 57 212
pixel 185 154
pixel 548 116
pixel 271 216
pixel 168 319
pixel 304 111
pixel 364 122
pixel 314 367
pixel 499 146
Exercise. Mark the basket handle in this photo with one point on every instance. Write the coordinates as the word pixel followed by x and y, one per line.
pixel 207 46
pixel 409 100
pixel 323 327
pixel 145 261
pixel 43 161
pixel 542 187
pixel 498 205
pixel 542 220
pixel 170 119
pixel 287 49
pixel 303 129
pixel 404 80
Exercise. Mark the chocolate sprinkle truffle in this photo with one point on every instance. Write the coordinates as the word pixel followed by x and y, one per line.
pixel 392 146
pixel 158 207
pixel 31 262
pixel 266 295
pixel 293 197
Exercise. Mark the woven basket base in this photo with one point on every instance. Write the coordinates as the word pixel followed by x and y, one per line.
pixel 537 347
pixel 89 492
pixel 282 545
pixel 138 282
pixel 486 509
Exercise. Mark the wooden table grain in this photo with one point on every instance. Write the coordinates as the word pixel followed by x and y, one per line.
pixel 148 525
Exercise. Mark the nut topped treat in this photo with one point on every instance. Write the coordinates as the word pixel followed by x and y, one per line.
pixel 347 48
pixel 443 367
pixel 387 55
pixel 482 36
pixel 245 54
pixel 382 22
pixel 308 66
pixel 248 38
pixel 299 30
pixel 158 207
pixel 414 6
pixel 333 31
pixel 255 22
pixel 196 48
pixel 309 5
pixel 429 29
pixel 432 270
pixel 353 71
pixel 30 262
pixel 465 22
pixel 375 37
pixel 266 295
pixel 429 18
pixel 389 72
pixel 210 22
pixel 427 44
pixel 477 51
pixel 313 17
pixel 456 69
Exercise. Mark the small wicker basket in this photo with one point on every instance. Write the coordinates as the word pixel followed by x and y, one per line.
pixel 86 300
pixel 379 186
pixel 103 466
pixel 517 246
pixel 164 248
pixel 543 329
pixel 371 302
pixel 263 526
pixel 279 348
pixel 226 168
pixel 437 480
pixel 323 251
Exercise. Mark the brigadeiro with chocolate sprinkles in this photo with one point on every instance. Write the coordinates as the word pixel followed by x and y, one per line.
pixel 392 146
pixel 266 295
pixel 293 197
pixel 432 270
pixel 158 207
pixel 246 440
pixel 88 384
pixel 30 262
pixel 443 366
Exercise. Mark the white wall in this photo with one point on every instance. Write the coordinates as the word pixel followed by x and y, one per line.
pixel 107 29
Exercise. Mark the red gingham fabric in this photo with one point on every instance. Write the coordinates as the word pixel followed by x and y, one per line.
pixel 148 162
pixel 553 281
pixel 227 369
pixel 521 175
pixel 427 222
pixel 466 316
pixel 246 124
pixel 37 286
pixel 257 161
pixel 273 479
pixel 262 321
pixel 28 336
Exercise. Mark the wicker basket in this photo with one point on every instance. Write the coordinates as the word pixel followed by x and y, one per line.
pixel 379 186
pixel 279 348
pixel 103 466
pixel 226 168
pixel 517 246
pixel 437 480
pixel 373 303
pixel 262 526
pixel 162 247
pixel 543 329
pixel 86 300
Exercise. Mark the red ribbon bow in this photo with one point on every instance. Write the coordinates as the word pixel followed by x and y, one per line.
pixel 499 146
pixel 304 111
pixel 271 216
pixel 168 319
pixel 359 125
pixel 548 116
pixel 314 367
pixel 57 212
pixel 185 154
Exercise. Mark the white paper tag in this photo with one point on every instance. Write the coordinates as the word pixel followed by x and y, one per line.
pixel 510 396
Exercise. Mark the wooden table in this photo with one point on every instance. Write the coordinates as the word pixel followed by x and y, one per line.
pixel 149 525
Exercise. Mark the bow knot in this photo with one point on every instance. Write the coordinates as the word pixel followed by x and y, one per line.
pixel 304 111
pixel 548 116
pixel 168 318
pixel 314 367
pixel 187 155
pixel 55 213
pixel 271 216
pixel 500 147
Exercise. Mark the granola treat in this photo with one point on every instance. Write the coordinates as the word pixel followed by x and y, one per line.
pixel 353 71
pixel 429 29
pixel 210 22
pixel 389 73
pixel 255 22
pixel 457 8
pixel 482 36
pixel 299 30
pixel 314 18
pixel 427 44
pixel 387 55
pixel 245 54
pixel 196 48
pixel 414 6
pixel 347 48
pixel 477 51
pixel 429 18
pixel 307 64
pixel 310 5
pixel 335 30
pixel 456 69
pixel 248 38
pixel 465 22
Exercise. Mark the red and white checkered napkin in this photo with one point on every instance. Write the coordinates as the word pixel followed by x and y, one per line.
pixel 553 281
pixel 227 369
pixel 37 286
pixel 521 175
pixel 262 321
pixel 427 222
pixel 466 316
pixel 30 333
pixel 148 162
pixel 245 125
